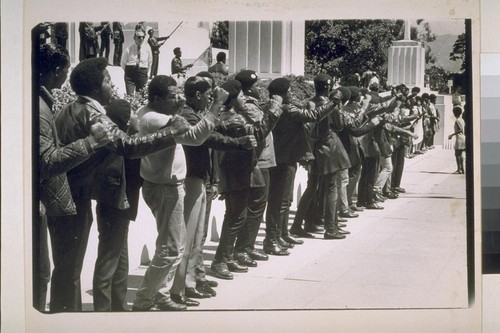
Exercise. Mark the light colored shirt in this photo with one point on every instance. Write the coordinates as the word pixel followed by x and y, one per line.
pixel 168 166
pixel 130 56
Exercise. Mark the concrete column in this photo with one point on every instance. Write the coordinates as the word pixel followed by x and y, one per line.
pixel 406 64
pixel 272 48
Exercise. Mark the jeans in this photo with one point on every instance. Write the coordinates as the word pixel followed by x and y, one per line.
pixel 199 270
pixel 69 237
pixel 342 190
pixel 354 174
pixel 111 266
pixel 195 203
pixel 234 219
pixel 281 181
pixel 167 204
pixel 385 173
pixel 257 201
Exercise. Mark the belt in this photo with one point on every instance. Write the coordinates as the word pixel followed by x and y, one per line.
pixel 135 67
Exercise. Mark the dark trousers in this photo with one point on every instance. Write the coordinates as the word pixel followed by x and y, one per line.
pixel 104 47
pixel 257 201
pixel 154 65
pixel 41 263
pixel 111 266
pixel 369 173
pixel 329 196
pixel 310 204
pixel 69 237
pixel 281 181
pixel 234 219
pixel 117 54
pixel 398 163
pixel 135 79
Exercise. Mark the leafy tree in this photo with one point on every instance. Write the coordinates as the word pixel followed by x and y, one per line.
pixel 438 78
pixel 219 37
pixel 458 51
pixel 349 46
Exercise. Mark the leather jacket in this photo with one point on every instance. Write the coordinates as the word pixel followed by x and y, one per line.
pixel 74 122
pixel 56 160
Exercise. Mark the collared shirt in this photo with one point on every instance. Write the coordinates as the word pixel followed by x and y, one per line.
pixel 130 56
pixel 176 66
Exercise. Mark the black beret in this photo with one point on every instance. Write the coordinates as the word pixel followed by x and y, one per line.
pixel 323 79
pixel 118 111
pixel 346 93
pixel 247 77
pixel 354 91
pixel 233 87
pixel 279 86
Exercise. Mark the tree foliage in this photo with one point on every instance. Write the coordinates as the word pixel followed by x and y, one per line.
pixel 219 37
pixel 349 46
pixel 458 51
pixel 438 78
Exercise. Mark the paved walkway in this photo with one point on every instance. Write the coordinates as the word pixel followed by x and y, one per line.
pixel 412 254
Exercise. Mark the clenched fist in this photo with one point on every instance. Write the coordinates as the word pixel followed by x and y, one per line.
pixel 178 125
pixel 99 135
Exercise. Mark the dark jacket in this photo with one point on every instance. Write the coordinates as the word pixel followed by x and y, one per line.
pixel 329 153
pixel 290 136
pixel 198 158
pixel 355 125
pixel 238 169
pixel 74 122
pixel 55 161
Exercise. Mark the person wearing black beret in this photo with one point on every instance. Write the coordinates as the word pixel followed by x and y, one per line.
pixel 239 173
pixel 329 158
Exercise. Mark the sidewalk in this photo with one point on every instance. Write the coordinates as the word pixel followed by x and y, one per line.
pixel 412 254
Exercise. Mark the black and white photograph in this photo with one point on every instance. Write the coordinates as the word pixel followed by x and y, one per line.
pixel 252 165
pixel 268 167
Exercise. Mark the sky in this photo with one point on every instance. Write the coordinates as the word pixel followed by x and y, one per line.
pixel 444 27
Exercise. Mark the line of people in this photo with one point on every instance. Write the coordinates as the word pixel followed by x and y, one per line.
pixel 186 146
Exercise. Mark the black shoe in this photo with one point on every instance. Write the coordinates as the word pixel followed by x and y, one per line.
pixel 181 299
pixel 390 195
pixel 341 219
pixel 272 248
pixel 348 214
pixel 360 205
pixel 341 225
pixel 195 293
pixel 170 305
pixel 299 232
pixel 378 197
pixel 244 259
pixel 398 190
pixel 256 255
pixel 151 308
pixel 204 287
pixel 221 271
pixel 342 231
pixel 333 235
pixel 292 240
pixel 313 228
pixel 373 206
pixel 355 208
pixel 212 284
pixel 233 266
pixel 284 244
